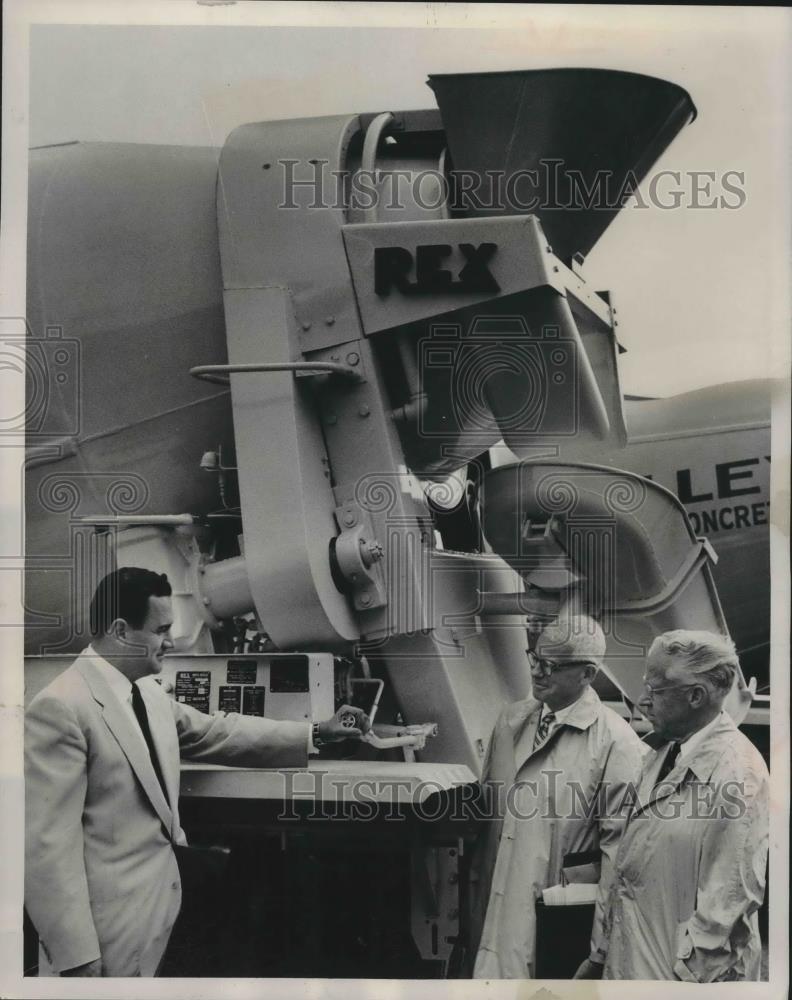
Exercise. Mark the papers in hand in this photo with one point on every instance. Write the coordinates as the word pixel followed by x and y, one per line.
pixel 570 895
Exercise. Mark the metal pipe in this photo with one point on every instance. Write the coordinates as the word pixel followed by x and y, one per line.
pixel 521 603
pixel 368 158
pixel 219 373
pixel 380 685
pixel 132 519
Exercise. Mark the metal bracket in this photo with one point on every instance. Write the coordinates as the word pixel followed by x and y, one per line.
pixel 357 555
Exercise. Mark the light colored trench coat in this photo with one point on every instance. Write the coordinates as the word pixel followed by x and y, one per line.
pixel 690 872
pixel 594 758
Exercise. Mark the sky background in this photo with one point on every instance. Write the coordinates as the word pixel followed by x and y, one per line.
pixel 698 290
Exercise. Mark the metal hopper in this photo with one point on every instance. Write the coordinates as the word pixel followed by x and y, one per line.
pixel 585 137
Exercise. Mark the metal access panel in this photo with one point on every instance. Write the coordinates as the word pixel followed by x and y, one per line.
pixel 292 686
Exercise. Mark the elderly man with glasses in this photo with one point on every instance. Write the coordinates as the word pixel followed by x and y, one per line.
pixel 690 871
pixel 558 774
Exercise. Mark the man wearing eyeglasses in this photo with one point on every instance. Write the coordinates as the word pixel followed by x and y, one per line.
pixel 558 773
pixel 690 871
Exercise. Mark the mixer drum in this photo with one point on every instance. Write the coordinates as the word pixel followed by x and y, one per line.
pixel 124 284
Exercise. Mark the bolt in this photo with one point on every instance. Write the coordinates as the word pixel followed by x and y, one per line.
pixel 555 269
pixel 549 249
pixel 365 600
pixel 349 519
pixel 352 358
pixel 364 411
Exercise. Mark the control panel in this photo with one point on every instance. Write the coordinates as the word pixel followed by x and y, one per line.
pixel 293 686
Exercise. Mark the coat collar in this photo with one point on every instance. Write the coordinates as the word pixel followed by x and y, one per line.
pixel 705 755
pixel 583 713
pixel 524 719
pixel 702 761
pixel 122 727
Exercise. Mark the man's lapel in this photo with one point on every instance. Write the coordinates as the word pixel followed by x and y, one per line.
pixel 583 715
pixel 163 732
pixel 650 792
pixel 700 763
pixel 523 722
pixel 131 743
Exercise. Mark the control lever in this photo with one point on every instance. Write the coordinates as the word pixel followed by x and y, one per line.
pixel 410 737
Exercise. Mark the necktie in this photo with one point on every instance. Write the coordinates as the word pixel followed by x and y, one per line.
pixel 668 763
pixel 139 708
pixel 543 728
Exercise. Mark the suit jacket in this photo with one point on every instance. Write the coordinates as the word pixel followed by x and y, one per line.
pixel 101 878
pixel 690 869
pixel 567 795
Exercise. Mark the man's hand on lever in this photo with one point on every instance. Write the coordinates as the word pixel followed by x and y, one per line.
pixel 348 723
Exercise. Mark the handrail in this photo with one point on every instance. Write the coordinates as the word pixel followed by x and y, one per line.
pixel 219 373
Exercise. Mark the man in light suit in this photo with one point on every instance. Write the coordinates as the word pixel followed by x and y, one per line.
pixel 102 748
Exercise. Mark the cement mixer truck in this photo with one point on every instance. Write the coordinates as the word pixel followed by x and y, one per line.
pixel 277 372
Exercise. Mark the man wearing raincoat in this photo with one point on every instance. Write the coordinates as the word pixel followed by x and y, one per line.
pixel 690 871
pixel 559 770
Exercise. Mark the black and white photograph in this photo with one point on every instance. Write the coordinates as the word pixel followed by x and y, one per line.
pixel 394 425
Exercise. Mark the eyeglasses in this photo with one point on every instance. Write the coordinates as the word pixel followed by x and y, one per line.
pixel 652 691
pixel 548 667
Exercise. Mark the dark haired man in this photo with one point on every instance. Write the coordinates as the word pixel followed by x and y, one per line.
pixel 102 748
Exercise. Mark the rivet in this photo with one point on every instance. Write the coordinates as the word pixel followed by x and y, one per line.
pixel 329 320
pixel 365 599
pixel 331 418
pixel 306 324
pixel 364 411
pixel 555 269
